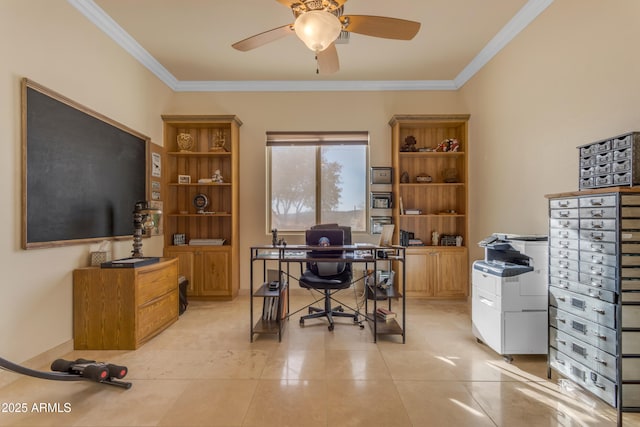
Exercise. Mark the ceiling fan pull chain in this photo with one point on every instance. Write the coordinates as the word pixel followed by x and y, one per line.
pixel 317 65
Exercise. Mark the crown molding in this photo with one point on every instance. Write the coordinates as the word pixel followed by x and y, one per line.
pixel 311 86
pixel 519 22
pixel 103 21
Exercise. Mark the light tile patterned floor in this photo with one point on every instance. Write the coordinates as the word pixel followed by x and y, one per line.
pixel 204 371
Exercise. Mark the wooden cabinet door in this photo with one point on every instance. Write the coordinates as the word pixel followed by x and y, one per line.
pixel 186 266
pixel 421 267
pixel 453 274
pixel 215 268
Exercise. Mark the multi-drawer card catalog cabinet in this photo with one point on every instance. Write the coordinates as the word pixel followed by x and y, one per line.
pixel 612 162
pixel 594 293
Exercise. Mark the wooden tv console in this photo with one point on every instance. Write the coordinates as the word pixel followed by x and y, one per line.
pixel 121 308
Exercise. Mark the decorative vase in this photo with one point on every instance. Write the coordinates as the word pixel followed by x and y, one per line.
pixel 185 142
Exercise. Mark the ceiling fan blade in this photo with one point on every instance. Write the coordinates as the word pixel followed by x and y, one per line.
pixel 380 26
pixel 263 38
pixel 328 62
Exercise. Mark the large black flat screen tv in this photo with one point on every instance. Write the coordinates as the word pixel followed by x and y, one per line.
pixel 82 172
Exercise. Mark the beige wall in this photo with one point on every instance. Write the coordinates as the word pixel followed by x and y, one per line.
pixel 568 79
pixel 48 41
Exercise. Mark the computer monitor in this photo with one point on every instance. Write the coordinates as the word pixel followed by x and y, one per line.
pixel 335 237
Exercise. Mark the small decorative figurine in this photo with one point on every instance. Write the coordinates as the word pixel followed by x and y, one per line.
pixel 217 177
pixel 404 178
pixel 409 144
pixel 274 237
pixel 435 238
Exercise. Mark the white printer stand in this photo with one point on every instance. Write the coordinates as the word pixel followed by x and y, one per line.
pixel 509 295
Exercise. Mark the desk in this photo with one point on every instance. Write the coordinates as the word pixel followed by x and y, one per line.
pixel 283 256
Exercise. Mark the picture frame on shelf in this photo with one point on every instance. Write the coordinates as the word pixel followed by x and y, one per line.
pixel 377 223
pixel 184 179
pixel 381 175
pixel 381 200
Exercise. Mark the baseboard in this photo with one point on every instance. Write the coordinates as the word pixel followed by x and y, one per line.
pixel 39 362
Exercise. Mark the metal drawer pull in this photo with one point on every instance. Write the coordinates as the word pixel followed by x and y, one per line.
pixel 597 236
pixel 560 361
pixel 558 340
pixel 596 271
pixel 602 337
pixel 564 203
pixel 598 310
pixel 564 214
pixel 594 294
pixel 560 319
pixel 599 385
pixel 563 299
pixel 599 224
pixel 596 260
pixel 596 284
pixel 563 264
pixel 600 361
pixel 597 214
pixel 599 248
pixel 596 202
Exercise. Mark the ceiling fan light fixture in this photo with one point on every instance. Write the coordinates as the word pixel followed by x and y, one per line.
pixel 318 29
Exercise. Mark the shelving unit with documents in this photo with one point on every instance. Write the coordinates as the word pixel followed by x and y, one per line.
pixel 430 195
pixel 390 296
pixel 594 293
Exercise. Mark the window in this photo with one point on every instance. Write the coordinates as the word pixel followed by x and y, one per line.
pixel 317 177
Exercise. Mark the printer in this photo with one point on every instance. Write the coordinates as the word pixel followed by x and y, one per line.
pixel 509 294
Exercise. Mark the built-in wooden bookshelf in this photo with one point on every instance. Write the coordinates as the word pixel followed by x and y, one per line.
pixel 212 269
pixel 438 202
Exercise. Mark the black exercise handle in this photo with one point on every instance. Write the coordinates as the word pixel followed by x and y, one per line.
pixel 117 371
pixel 61 365
pixel 95 372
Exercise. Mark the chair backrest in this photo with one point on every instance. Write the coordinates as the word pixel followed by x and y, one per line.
pixel 345 228
pixel 334 237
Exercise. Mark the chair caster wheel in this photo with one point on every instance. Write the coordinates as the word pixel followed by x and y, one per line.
pixel 301 322
pixel 330 327
pixel 340 309
pixel 310 310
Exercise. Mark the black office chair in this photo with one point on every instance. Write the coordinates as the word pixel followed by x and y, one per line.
pixel 328 277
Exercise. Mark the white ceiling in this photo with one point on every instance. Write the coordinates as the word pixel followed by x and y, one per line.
pixel 187 43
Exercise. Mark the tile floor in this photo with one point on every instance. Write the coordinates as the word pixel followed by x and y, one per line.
pixel 204 371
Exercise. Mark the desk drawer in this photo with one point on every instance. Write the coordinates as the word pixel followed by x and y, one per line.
pixel 156 316
pixel 154 283
pixel 587 331
pixel 580 305
pixel 585 377
pixel 590 356
pixel 598 201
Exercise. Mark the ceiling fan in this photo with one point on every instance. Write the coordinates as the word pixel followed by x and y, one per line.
pixel 318 24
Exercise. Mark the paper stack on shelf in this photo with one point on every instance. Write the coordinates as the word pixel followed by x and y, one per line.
pixel 206 242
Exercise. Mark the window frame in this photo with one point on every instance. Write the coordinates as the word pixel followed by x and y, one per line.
pixel 318 139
